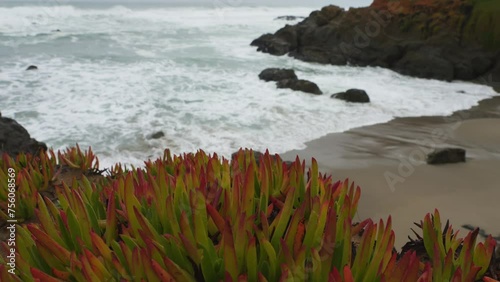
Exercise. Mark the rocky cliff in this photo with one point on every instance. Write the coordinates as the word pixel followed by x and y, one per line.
pixel 15 139
pixel 439 39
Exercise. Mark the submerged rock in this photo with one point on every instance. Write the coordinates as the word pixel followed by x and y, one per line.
pixel 353 96
pixel 300 85
pixel 276 74
pixel 157 135
pixel 15 139
pixel 446 156
pixel 32 67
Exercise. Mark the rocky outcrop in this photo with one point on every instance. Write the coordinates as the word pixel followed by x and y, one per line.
pixel 353 96
pixel 445 40
pixel 15 139
pixel 300 85
pixel 446 156
pixel 286 78
pixel 276 74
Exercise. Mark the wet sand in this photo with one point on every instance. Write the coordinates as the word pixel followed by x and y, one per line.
pixel 388 162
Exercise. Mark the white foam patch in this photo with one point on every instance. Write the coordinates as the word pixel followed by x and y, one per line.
pixel 191 74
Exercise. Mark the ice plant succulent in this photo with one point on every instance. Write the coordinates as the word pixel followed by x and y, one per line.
pixel 453 258
pixel 198 217
pixel 34 175
pixel 75 158
pixel 37 174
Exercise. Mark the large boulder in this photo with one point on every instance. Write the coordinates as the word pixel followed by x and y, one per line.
pixel 15 139
pixel 446 156
pixel 353 96
pixel 300 85
pixel 276 74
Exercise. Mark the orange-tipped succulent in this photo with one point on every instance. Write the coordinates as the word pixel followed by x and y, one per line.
pixel 198 217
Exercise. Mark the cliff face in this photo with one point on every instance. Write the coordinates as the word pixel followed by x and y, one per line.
pixel 15 139
pixel 473 21
pixel 440 39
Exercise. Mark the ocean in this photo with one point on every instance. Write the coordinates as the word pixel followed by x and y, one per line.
pixel 111 75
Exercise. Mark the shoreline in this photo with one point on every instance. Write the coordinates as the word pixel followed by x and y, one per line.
pixel 387 160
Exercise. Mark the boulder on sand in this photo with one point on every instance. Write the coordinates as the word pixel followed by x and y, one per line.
pixel 446 156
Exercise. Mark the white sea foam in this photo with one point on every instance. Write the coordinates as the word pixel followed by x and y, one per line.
pixel 113 76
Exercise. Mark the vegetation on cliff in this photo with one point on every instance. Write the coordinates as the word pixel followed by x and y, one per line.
pixel 484 23
pixel 473 20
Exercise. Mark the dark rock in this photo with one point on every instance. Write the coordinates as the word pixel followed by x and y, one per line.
pixel 32 68
pixel 470 66
pixel 15 139
pixel 492 78
pixel 425 65
pixel 275 74
pixel 157 135
pixel 314 55
pixel 446 156
pixel 289 18
pixel 353 95
pixel 326 15
pixel 300 85
pixel 267 43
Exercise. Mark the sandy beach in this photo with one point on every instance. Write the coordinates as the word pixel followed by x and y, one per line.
pixel 388 162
